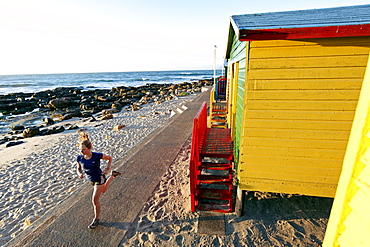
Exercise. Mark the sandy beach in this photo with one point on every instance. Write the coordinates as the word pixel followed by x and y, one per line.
pixel 269 219
pixel 39 174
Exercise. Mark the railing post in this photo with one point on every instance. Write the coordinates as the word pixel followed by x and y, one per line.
pixel 199 128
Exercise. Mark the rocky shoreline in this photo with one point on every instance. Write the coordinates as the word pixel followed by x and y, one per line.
pixel 31 114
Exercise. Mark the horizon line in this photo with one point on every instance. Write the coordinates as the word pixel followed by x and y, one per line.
pixel 132 71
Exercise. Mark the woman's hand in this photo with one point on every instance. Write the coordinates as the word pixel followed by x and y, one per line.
pixel 106 171
pixel 79 171
pixel 106 157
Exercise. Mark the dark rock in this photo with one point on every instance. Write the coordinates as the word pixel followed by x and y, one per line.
pixel 123 102
pixel 31 131
pixel 106 117
pixel 46 132
pixel 17 127
pixel 77 113
pixel 10 144
pixel 66 117
pixel 19 111
pixel 24 104
pixel 54 130
pixel 58 129
pixel 73 127
pixel 110 111
pixel 77 91
pixel 71 115
pixel 7 100
pixel 104 98
pixel 86 114
pixel 40 95
pixel 48 121
pixel 5 139
pixel 85 106
pixel 60 103
pixel 117 106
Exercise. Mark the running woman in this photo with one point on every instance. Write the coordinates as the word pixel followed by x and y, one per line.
pixel 88 163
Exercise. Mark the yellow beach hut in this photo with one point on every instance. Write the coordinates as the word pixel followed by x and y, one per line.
pixel 349 222
pixel 294 80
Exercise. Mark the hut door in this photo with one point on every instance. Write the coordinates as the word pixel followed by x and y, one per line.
pixel 233 96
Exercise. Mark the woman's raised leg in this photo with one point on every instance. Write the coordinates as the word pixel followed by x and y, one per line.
pixel 106 184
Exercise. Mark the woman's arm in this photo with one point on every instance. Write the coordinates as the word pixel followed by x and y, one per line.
pixel 79 171
pixel 106 157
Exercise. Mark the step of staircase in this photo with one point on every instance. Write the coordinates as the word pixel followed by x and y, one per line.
pixel 219 120
pixel 217 194
pixel 214 206
pixel 223 113
pixel 219 126
pixel 215 166
pixel 219 110
pixel 216 179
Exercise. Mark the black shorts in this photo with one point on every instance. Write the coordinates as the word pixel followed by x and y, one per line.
pixel 101 181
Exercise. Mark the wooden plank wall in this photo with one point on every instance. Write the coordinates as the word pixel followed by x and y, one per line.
pixel 238 54
pixel 349 223
pixel 299 106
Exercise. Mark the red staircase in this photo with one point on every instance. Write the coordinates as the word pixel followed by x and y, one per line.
pixel 219 115
pixel 211 180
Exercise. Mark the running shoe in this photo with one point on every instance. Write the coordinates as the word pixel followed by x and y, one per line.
pixel 94 224
pixel 115 173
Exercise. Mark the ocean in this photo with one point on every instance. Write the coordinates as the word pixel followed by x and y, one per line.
pixel 41 82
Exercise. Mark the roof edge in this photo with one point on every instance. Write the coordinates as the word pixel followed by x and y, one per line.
pixel 233 30
pixel 305 33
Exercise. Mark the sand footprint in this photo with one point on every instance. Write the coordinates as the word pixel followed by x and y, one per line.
pixel 161 203
pixel 144 223
pixel 162 187
pixel 162 193
pixel 299 231
pixel 146 239
pixel 159 214
pixel 171 181
pixel 179 240
pixel 146 207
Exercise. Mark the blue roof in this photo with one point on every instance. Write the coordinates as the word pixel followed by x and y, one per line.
pixel 340 16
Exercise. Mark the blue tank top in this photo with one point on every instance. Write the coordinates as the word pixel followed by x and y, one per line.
pixel 91 166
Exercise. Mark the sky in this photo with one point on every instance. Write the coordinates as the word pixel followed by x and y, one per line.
pixel 80 36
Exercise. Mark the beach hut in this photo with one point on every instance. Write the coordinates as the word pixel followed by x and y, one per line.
pixel 293 84
pixel 349 223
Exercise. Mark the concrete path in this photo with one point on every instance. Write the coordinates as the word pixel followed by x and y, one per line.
pixel 141 170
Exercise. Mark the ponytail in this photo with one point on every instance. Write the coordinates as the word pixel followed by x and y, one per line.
pixel 85 140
